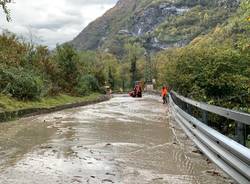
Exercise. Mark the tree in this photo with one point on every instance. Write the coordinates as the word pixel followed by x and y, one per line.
pixel 3 4
pixel 134 52
pixel 124 75
pixel 68 61
pixel 111 79
pixel 148 65
pixel 148 69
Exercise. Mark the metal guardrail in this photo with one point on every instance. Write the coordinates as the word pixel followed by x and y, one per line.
pixel 227 113
pixel 232 157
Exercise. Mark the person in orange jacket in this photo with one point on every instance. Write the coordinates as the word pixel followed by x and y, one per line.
pixel 164 93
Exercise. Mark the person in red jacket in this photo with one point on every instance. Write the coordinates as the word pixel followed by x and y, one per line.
pixel 164 93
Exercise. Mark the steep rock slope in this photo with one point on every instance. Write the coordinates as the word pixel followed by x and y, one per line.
pixel 168 23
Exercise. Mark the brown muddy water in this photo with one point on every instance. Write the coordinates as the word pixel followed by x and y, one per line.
pixel 123 141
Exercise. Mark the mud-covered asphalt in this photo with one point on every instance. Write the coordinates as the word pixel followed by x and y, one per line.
pixel 123 141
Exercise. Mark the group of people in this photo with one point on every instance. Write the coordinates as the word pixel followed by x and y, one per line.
pixel 137 91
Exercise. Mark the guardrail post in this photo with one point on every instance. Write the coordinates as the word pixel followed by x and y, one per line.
pixel 204 117
pixel 183 106
pixel 189 109
pixel 241 133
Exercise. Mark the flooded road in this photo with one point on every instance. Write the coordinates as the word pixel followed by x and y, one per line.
pixel 123 141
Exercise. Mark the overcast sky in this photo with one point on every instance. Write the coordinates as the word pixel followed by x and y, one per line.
pixel 53 21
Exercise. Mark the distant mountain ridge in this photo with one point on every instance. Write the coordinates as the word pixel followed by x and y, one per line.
pixel 169 23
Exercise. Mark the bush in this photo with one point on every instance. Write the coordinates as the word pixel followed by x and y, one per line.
pixel 67 59
pixel 210 72
pixel 20 83
pixel 87 84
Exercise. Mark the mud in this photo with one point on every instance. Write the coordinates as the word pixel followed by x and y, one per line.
pixel 124 140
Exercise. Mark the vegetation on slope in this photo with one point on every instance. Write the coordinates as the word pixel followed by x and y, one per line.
pixel 214 68
pixel 170 28
pixel 32 76
pixel 11 104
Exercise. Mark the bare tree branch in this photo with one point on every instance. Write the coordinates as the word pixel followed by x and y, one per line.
pixel 3 4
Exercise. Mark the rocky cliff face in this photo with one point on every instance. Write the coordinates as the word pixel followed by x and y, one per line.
pixel 170 23
pixel 96 32
pixel 147 20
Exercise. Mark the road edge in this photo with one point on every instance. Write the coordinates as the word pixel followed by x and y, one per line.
pixel 12 115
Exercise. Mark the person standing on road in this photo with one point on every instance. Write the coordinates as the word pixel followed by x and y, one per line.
pixel 164 93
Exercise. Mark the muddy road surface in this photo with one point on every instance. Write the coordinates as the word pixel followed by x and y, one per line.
pixel 123 141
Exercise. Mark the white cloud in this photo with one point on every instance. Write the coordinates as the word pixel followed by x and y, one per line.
pixel 53 21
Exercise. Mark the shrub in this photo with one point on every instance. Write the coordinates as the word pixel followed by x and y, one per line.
pixel 87 84
pixel 20 83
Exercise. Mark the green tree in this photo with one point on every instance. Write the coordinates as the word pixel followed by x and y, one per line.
pixel 68 60
pixel 111 79
pixel 148 69
pixel 134 52
pixel 87 84
pixel 124 75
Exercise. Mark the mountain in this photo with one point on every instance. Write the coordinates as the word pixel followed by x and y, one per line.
pixel 163 23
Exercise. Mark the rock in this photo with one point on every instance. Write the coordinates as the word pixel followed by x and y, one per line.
pixel 214 173
pixel 152 17
pixel 107 180
pixel 110 174
pixel 45 147
pixel 162 6
pixel 125 32
pixel 208 161
pixel 78 176
pixel 54 151
pixel 160 178
pixel 197 151
pixel 57 117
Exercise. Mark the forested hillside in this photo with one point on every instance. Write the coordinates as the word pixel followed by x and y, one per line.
pixel 214 68
pixel 169 23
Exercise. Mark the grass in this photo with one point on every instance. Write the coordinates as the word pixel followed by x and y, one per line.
pixel 10 104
